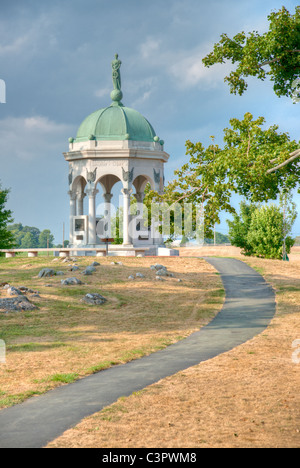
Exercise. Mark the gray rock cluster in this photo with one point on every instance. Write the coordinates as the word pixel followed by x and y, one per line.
pixel 71 281
pixel 89 270
pixel 161 271
pixel 18 301
pixel 16 304
pixel 46 273
pixel 94 299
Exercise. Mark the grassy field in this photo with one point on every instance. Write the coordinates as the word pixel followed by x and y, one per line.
pixel 247 397
pixel 64 339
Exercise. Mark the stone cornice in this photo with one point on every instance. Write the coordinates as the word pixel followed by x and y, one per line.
pixel 116 153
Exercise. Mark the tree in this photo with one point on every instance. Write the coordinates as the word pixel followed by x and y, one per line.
pixel 213 174
pixel 278 49
pixel 266 233
pixel 46 239
pixel 28 241
pixel 260 230
pixel 220 239
pixel 239 228
pixel 289 213
pixel 6 238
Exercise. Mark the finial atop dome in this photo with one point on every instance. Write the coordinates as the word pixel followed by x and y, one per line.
pixel 116 95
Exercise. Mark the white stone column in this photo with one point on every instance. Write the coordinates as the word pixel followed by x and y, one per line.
pixel 80 198
pixel 107 212
pixel 126 213
pixel 72 214
pixel 92 217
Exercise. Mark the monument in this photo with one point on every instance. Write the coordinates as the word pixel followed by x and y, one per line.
pixel 114 144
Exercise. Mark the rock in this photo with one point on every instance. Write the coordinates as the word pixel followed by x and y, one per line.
pixel 67 259
pixel 94 264
pixel 140 275
pixel 16 304
pixel 59 273
pixel 131 277
pixel 12 291
pixel 70 281
pixel 162 272
pixel 94 299
pixel 89 270
pixel 159 278
pixel 74 268
pixel 46 273
pixel 159 267
pixel 6 286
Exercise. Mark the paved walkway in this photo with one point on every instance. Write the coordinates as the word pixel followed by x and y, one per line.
pixel 247 311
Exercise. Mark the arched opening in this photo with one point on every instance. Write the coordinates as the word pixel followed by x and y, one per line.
pixel 109 204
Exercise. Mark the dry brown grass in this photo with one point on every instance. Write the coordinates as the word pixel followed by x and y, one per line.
pixel 65 339
pixel 247 397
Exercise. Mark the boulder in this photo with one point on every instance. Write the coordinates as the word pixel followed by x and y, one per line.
pixel 162 272
pixel 158 266
pixel 12 291
pixel 70 281
pixel 94 299
pixel 140 275
pixel 46 273
pixel 94 264
pixel 16 304
pixel 89 270
pixel 159 278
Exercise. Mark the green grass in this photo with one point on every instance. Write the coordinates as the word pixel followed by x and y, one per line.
pixel 32 347
pixel 63 378
pixel 11 400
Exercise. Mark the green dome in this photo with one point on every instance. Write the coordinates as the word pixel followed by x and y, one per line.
pixel 115 122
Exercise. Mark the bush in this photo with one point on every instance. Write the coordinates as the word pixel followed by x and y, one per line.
pixel 266 233
pixel 260 230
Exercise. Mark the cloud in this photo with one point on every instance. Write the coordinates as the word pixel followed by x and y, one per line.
pixel 184 66
pixel 189 71
pixel 103 92
pixel 150 47
pixel 31 138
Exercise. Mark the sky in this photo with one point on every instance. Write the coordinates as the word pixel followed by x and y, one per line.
pixel 56 64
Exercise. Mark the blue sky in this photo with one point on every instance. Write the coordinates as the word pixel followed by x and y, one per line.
pixel 56 62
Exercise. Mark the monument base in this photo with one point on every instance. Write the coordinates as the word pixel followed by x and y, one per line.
pixel 124 251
